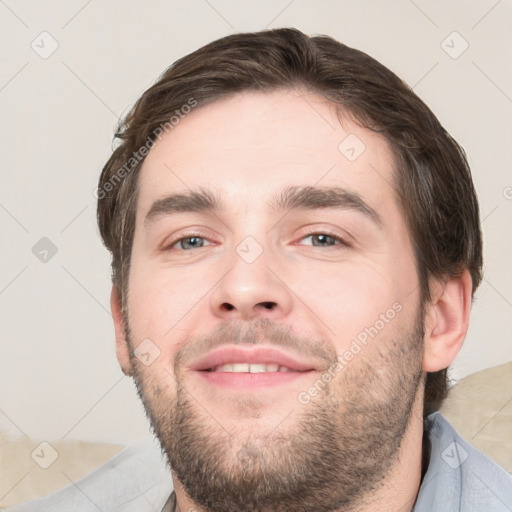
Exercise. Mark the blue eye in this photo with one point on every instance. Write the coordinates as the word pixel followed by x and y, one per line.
pixel 324 240
pixel 189 242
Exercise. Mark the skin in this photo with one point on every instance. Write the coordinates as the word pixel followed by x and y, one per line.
pixel 246 148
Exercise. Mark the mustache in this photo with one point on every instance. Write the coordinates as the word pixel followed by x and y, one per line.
pixel 255 332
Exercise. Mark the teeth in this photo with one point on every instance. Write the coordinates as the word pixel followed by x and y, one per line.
pixel 250 368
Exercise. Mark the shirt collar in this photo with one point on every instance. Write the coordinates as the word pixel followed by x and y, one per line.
pixel 170 504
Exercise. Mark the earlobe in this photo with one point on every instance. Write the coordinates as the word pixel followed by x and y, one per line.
pixel 446 322
pixel 122 346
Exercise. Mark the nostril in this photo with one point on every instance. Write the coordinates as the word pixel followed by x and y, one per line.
pixel 268 305
pixel 226 306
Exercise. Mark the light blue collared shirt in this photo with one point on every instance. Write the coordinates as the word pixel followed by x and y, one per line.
pixel 459 477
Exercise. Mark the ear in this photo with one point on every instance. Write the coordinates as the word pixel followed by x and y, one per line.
pixel 446 321
pixel 122 346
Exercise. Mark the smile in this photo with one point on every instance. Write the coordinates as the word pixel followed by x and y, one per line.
pixel 249 368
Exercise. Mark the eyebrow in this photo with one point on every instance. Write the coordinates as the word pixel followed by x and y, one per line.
pixel 192 201
pixel 315 198
pixel 290 198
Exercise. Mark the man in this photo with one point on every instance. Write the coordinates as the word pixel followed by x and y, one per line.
pixel 296 245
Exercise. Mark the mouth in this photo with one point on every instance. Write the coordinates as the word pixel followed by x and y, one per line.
pixel 250 368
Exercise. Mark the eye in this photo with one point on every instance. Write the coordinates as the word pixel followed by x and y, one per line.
pixel 189 242
pixel 324 240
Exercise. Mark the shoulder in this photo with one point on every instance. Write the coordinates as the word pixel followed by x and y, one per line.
pixel 136 479
pixel 459 476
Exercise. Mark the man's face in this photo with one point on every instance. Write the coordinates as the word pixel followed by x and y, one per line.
pixel 321 301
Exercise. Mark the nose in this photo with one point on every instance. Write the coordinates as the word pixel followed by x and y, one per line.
pixel 251 290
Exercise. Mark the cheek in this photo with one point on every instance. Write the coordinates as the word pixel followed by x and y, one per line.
pixel 161 302
pixel 158 389
pixel 353 300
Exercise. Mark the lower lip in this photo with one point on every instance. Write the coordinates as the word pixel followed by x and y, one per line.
pixel 233 380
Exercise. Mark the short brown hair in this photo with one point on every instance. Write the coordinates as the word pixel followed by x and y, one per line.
pixel 432 178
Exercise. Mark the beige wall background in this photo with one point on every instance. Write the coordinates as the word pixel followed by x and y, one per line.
pixel 71 68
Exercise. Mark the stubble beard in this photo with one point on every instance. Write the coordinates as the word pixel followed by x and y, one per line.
pixel 328 455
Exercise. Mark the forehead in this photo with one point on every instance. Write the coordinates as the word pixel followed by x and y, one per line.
pixel 249 145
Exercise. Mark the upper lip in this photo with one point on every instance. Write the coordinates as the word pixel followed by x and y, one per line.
pixel 258 355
